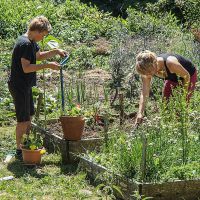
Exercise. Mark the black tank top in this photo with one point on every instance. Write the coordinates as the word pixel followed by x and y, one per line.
pixel 187 64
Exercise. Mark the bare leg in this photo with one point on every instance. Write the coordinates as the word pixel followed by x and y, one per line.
pixel 21 129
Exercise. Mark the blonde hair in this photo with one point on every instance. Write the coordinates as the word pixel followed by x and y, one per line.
pixel 145 60
pixel 39 23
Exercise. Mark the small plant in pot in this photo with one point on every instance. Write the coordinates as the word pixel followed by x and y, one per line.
pixel 73 123
pixel 32 149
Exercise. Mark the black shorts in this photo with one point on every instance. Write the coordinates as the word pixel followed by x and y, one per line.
pixel 23 101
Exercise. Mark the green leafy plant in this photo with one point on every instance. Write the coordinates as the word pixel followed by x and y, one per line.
pixel 173 128
pixel 75 111
pixel 140 197
pixel 183 172
pixel 33 142
pixel 108 188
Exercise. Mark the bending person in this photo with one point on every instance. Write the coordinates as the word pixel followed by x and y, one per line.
pixel 173 68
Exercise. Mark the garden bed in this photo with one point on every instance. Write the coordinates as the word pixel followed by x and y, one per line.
pixel 54 127
pixel 54 142
pixel 176 190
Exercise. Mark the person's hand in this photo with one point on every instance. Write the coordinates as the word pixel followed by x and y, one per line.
pixel 54 65
pixel 62 53
pixel 138 119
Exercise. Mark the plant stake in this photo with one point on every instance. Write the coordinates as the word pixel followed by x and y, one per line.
pixel 62 63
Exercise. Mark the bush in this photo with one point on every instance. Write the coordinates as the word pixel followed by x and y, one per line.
pixel 72 21
pixel 186 11
pixel 14 15
pixel 81 58
pixel 147 24
pixel 80 23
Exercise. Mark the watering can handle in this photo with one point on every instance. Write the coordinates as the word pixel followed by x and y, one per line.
pixel 63 62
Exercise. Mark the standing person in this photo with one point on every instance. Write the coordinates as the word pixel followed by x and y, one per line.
pixel 23 73
pixel 173 68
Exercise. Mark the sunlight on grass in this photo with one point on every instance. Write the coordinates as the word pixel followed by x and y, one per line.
pixel 50 180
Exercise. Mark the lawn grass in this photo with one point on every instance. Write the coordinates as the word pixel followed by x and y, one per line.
pixel 51 180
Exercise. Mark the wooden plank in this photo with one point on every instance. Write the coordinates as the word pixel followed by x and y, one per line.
pixel 187 190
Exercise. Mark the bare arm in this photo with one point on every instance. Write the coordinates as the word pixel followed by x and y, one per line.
pixel 146 82
pixel 28 68
pixel 49 54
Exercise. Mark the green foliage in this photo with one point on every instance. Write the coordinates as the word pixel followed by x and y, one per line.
pixel 82 58
pixel 74 111
pixel 183 172
pixel 50 42
pixel 191 10
pixel 172 135
pixel 120 155
pixel 149 24
pixel 72 21
pixel 14 15
pixel 83 23
pixel 186 11
pixel 32 142
pixel 109 189
pixel 140 197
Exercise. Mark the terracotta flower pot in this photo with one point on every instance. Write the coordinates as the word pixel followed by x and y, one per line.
pixel 72 127
pixel 31 156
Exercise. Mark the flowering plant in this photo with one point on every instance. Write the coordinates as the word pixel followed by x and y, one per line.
pixel 33 142
pixel 75 110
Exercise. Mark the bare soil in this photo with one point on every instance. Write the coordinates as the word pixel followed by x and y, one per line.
pixel 91 77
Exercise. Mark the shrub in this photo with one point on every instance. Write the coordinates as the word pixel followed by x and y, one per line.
pixel 186 11
pixel 72 21
pixel 14 15
pixel 148 24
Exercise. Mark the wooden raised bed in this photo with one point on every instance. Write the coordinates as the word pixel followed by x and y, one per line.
pixel 55 143
pixel 177 190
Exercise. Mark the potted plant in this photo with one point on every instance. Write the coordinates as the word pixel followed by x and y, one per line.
pixel 73 123
pixel 32 149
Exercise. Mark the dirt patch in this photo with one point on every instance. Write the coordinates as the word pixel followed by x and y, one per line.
pixel 102 46
pixel 96 76
pixel 52 78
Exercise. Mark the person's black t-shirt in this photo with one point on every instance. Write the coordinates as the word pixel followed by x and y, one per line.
pixel 187 65
pixel 24 48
